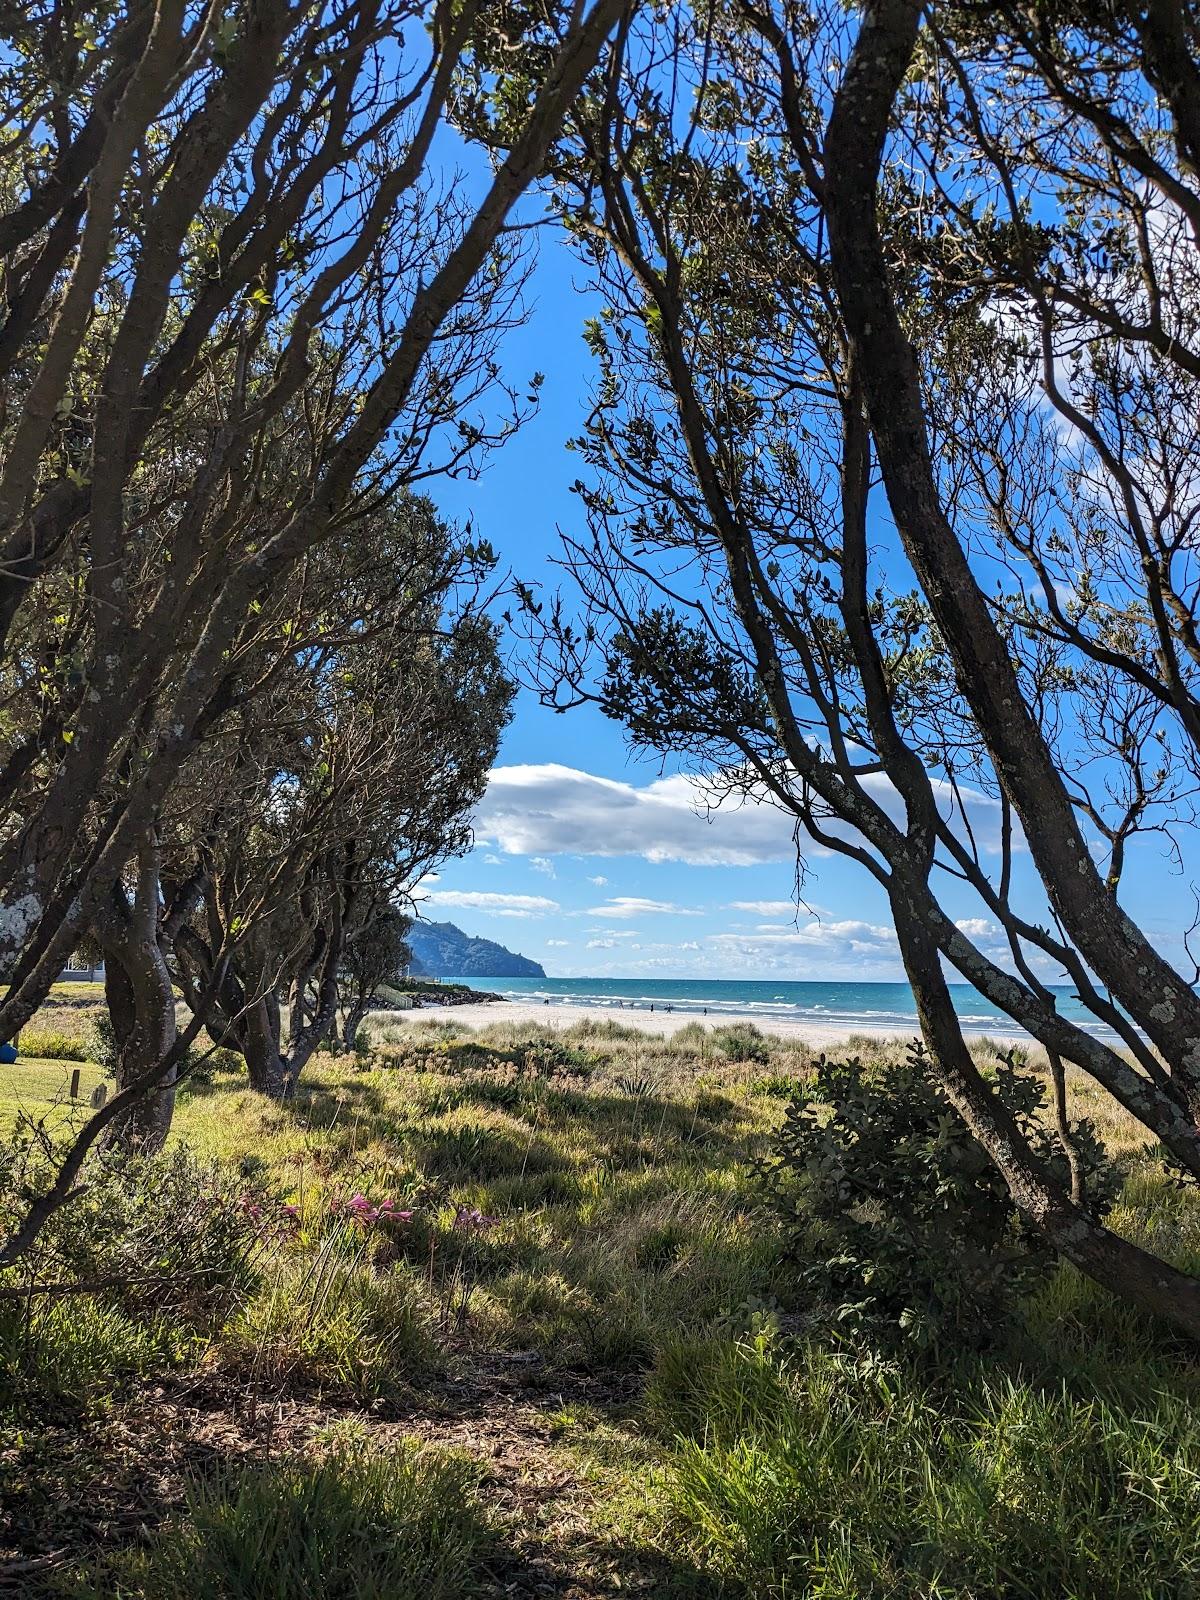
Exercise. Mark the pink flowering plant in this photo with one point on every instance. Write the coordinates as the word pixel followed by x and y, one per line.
pixel 365 1212
pixel 470 1219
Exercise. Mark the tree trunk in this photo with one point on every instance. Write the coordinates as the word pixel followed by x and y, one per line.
pixel 269 1070
pixel 1154 994
pixel 141 1005
pixel 352 1022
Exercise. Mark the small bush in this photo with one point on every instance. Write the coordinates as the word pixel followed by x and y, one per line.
pixel 741 1041
pixel 358 1525
pixel 199 1064
pixel 151 1243
pixel 692 1036
pixel 101 1043
pixel 51 1044
pixel 897 1220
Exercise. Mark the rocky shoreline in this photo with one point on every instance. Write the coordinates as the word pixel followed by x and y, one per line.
pixel 437 994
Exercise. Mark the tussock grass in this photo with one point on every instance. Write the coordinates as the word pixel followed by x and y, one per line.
pixel 583 1200
pixel 817 1476
pixel 357 1524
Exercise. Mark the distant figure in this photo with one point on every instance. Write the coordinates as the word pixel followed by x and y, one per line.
pixel 8 1054
pixel 652 1005
pixel 706 1011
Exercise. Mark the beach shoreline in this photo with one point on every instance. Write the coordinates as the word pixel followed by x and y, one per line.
pixel 558 1016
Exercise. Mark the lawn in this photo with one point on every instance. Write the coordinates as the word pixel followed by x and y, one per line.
pixel 513 1304
pixel 35 1085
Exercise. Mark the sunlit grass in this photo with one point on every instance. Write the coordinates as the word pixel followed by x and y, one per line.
pixel 621 1234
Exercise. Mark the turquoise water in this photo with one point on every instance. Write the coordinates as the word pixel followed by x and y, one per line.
pixel 838 1005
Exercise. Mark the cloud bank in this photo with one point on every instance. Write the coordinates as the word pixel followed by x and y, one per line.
pixel 546 810
pixel 551 810
pixel 497 905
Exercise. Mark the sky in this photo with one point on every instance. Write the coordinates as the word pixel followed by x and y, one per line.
pixel 598 862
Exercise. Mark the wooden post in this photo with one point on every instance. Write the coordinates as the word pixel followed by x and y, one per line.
pixel 75 1084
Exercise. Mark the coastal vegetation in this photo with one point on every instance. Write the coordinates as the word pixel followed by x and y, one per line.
pixel 888 499
pixel 515 1311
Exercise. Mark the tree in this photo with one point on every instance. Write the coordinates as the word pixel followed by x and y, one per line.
pixel 358 774
pixel 240 310
pixel 793 336
pixel 379 955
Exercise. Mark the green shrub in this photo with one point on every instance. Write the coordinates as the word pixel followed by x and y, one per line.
pixel 896 1218
pixel 102 1043
pixel 741 1041
pixel 200 1064
pixel 152 1254
pixel 51 1044
pixel 358 1525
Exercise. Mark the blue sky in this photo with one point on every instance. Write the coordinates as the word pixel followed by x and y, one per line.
pixel 596 862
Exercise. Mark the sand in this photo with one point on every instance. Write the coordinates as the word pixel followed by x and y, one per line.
pixel 819 1035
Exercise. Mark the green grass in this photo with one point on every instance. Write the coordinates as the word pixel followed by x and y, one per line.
pixel 812 1475
pixel 355 1524
pixel 622 1295
pixel 37 1087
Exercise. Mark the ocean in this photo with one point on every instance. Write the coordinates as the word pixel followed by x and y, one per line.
pixel 839 1005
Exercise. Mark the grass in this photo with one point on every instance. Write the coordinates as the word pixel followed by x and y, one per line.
pixel 38 1087
pixel 548 1250
pixel 814 1476
pixel 352 1524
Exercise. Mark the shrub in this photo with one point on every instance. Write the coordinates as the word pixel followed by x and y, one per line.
pixel 51 1044
pixel 741 1041
pixel 896 1217
pixel 358 1525
pixel 102 1043
pixel 199 1064
pixel 150 1240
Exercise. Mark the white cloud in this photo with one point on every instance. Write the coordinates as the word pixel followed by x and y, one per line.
pixel 542 864
pixel 601 944
pixel 977 927
pixel 764 908
pixel 492 861
pixel 632 906
pixel 599 881
pixel 554 810
pixel 849 935
pixel 548 810
pixel 558 944
pixel 498 905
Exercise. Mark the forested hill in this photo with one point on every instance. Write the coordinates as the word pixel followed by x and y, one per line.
pixel 440 950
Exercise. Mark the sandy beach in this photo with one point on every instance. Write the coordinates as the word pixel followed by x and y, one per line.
pixel 817 1034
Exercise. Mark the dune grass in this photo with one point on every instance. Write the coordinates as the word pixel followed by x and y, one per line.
pixel 578 1208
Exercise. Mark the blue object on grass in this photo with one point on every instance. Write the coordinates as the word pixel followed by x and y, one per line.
pixel 8 1054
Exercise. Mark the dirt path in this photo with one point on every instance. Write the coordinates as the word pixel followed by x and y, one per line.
pixel 129 1471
